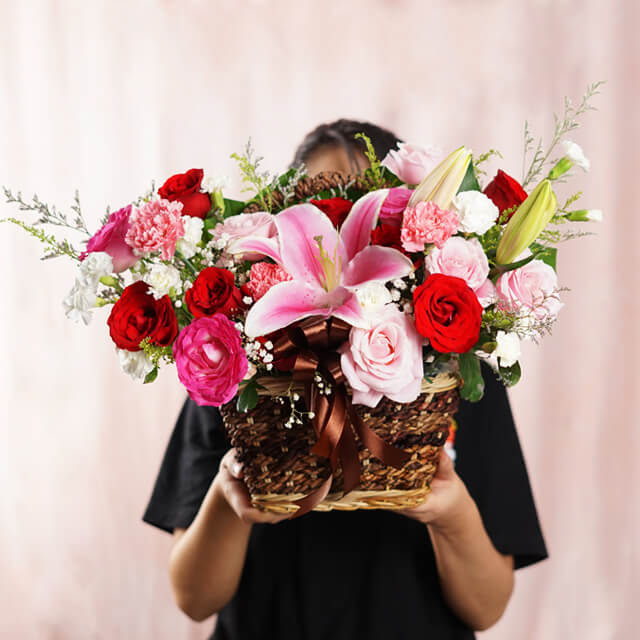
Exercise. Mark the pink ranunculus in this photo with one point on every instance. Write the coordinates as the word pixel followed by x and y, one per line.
pixel 460 258
pixel 263 276
pixel 156 225
pixel 412 163
pixel 533 287
pixel 427 223
pixel 210 359
pixel 394 205
pixel 244 225
pixel 384 360
pixel 110 238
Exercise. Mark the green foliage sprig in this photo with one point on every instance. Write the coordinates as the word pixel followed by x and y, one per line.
pixel 261 182
pixel 56 247
pixel 563 125
pixel 373 174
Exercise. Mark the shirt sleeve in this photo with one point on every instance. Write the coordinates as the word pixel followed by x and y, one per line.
pixel 190 463
pixel 490 462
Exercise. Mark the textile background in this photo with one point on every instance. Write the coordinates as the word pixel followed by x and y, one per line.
pixel 105 96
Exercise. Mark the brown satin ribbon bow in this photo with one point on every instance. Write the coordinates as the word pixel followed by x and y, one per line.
pixel 313 342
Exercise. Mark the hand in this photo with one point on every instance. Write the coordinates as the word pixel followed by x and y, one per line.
pixel 230 485
pixel 447 502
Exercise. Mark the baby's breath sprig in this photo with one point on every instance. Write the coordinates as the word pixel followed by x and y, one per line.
pixel 295 416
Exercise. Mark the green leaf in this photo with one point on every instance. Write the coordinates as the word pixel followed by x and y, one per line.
pixel 473 382
pixel 510 375
pixel 548 255
pixel 151 376
pixel 470 182
pixel 233 207
pixel 248 398
pixel 516 265
pixel 389 178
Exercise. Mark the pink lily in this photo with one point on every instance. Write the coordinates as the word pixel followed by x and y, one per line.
pixel 326 266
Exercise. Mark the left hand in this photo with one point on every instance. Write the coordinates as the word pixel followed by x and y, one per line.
pixel 446 503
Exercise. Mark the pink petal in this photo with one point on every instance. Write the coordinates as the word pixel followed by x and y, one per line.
pixel 367 398
pixel 299 227
pixel 349 310
pixel 283 304
pixel 486 293
pixel 362 219
pixel 376 263
pixel 256 244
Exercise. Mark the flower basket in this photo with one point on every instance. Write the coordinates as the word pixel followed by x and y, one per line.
pixel 280 468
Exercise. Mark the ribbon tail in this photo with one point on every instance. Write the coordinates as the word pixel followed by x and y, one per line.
pixel 385 452
pixel 349 459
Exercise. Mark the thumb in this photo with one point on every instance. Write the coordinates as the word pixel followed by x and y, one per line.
pixel 446 470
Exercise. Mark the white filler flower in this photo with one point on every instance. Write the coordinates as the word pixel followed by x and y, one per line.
pixel 211 183
pixel 477 212
pixel 93 267
pixel 508 349
pixel 594 215
pixel 188 244
pixel 135 363
pixel 373 296
pixel 79 302
pixel 161 278
pixel 575 153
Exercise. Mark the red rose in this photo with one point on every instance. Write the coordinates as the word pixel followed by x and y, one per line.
pixel 185 188
pixel 214 291
pixel 138 315
pixel 337 209
pixel 505 192
pixel 447 313
pixel 387 235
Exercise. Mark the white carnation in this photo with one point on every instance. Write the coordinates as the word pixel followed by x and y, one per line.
pixel 594 215
pixel 373 296
pixel 508 349
pixel 477 212
pixel 79 302
pixel 188 244
pixel 93 267
pixel 161 278
pixel 135 363
pixel 574 152
pixel 211 183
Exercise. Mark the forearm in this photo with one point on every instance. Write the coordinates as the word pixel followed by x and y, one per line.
pixel 476 579
pixel 206 562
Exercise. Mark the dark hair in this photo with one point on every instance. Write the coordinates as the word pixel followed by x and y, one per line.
pixel 341 133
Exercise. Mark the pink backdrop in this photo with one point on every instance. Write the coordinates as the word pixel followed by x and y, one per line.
pixel 105 96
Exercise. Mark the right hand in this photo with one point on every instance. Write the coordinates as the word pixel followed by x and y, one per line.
pixel 229 483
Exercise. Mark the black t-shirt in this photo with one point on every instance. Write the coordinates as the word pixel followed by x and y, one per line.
pixel 361 574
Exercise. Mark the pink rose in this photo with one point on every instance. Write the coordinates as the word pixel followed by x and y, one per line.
pixel 394 205
pixel 111 239
pixel 486 293
pixel 460 258
pixel 244 225
pixel 412 163
pixel 427 223
pixel 263 276
pixel 533 286
pixel 385 359
pixel 210 359
pixel 156 225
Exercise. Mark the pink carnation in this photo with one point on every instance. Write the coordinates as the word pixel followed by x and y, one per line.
pixel 156 225
pixel 427 223
pixel 210 359
pixel 110 238
pixel 533 287
pixel 263 276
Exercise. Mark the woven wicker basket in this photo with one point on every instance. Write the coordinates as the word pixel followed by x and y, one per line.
pixel 279 467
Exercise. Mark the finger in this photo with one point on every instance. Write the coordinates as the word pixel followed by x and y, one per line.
pixel 446 470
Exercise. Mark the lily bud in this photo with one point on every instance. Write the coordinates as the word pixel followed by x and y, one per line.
pixel 526 224
pixel 442 184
